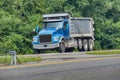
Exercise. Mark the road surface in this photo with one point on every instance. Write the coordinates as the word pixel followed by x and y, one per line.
pixel 107 68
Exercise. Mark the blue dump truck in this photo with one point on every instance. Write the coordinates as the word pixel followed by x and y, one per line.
pixel 62 32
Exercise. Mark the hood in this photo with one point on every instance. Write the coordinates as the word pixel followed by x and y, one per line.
pixel 48 31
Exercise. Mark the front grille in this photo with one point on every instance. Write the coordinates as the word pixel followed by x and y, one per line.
pixel 45 38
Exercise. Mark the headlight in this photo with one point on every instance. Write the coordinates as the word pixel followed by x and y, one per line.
pixel 56 38
pixel 35 39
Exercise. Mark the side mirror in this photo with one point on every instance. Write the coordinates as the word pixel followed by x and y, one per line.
pixel 36 29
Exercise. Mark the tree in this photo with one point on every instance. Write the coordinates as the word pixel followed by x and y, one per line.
pixel 19 17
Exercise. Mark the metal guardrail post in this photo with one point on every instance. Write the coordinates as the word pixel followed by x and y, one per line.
pixel 14 57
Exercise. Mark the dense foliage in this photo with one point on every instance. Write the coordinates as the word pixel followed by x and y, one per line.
pixel 19 17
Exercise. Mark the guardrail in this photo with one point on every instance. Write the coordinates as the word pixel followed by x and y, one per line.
pixel 13 54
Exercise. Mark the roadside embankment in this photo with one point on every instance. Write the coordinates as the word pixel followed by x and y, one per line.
pixel 57 57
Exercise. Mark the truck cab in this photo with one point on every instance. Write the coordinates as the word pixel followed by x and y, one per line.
pixel 55 30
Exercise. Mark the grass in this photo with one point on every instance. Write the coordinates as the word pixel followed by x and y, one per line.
pixel 104 52
pixel 6 60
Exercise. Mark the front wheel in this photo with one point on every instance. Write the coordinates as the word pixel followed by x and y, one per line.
pixel 62 47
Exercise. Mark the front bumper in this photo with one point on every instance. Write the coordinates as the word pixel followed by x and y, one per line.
pixel 45 46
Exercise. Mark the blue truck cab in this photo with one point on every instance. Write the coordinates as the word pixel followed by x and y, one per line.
pixel 55 30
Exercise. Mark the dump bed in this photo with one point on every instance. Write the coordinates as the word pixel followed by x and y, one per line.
pixel 81 27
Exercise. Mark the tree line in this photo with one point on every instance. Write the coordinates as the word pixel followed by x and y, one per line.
pixel 19 17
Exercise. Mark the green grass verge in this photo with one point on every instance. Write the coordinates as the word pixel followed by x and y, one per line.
pixel 106 52
pixel 6 60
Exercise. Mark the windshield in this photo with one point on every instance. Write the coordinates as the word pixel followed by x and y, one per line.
pixel 53 24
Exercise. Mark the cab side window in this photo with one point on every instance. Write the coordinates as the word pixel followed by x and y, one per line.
pixel 65 26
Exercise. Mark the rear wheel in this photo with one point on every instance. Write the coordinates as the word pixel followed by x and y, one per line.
pixel 62 47
pixel 79 44
pixel 75 44
pixel 85 45
pixel 90 44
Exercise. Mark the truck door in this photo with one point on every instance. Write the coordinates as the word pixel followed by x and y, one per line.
pixel 66 29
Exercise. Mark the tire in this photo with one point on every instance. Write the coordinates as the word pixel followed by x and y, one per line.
pixel 75 44
pixel 90 44
pixel 62 47
pixel 79 44
pixel 85 45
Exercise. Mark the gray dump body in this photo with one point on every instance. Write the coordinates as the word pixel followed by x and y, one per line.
pixel 81 27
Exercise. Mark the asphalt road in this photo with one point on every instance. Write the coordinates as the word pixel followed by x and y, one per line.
pixel 87 69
